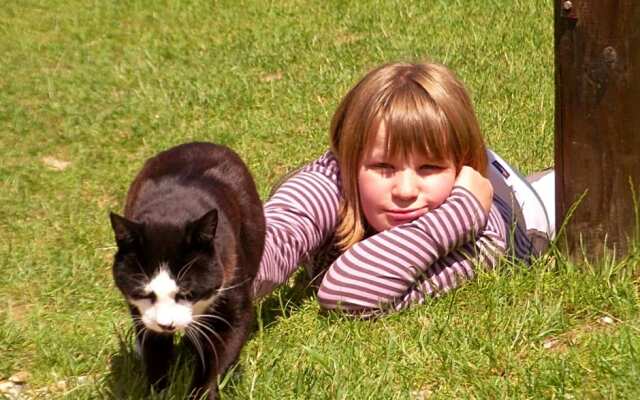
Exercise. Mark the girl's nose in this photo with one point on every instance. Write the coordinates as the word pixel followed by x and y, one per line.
pixel 405 185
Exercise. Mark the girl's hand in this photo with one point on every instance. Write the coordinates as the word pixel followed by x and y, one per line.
pixel 477 184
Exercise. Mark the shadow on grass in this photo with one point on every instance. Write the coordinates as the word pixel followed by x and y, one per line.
pixel 285 300
pixel 127 380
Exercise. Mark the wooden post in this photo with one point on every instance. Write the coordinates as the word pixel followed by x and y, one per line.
pixel 597 122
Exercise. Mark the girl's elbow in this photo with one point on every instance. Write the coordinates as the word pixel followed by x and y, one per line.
pixel 330 300
pixel 343 302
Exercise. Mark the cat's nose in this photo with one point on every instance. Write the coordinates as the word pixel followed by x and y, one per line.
pixel 168 327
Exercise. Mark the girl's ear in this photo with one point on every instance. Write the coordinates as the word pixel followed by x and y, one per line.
pixel 127 233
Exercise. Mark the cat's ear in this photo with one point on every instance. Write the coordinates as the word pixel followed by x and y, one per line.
pixel 203 230
pixel 127 232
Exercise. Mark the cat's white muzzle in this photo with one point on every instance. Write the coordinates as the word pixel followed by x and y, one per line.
pixel 164 314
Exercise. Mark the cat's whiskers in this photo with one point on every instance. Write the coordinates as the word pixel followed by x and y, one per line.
pixel 201 326
pixel 193 337
pixel 139 279
pixel 137 321
pixel 141 269
pixel 223 289
pixel 139 274
pixel 205 316
pixel 183 270
pixel 144 332
pixel 209 329
pixel 198 328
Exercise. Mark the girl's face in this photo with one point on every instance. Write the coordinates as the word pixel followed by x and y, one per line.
pixel 395 191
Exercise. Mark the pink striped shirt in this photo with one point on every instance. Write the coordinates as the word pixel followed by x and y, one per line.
pixel 388 270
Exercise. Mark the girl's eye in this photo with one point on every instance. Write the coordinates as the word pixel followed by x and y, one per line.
pixel 383 166
pixel 430 168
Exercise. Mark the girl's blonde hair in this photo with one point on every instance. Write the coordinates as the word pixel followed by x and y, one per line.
pixel 425 109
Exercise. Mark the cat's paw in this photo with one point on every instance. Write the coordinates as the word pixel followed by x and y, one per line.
pixel 203 394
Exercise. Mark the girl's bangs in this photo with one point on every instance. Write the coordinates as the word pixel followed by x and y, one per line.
pixel 415 125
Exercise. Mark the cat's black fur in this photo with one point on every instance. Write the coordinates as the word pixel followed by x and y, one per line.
pixel 196 201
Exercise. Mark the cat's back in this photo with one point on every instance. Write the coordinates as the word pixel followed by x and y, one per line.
pixel 195 161
pixel 190 171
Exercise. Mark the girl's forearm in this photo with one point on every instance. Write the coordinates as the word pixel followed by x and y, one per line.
pixel 300 215
pixel 426 255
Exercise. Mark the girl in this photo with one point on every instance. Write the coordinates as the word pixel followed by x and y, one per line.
pixel 406 204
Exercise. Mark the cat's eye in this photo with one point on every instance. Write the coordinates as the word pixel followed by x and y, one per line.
pixel 145 296
pixel 186 296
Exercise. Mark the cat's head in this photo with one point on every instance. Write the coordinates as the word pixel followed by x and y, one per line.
pixel 170 274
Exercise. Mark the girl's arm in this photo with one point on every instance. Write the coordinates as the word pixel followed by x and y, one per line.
pixel 427 257
pixel 300 215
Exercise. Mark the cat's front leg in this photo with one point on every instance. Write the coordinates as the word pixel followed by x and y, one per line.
pixel 205 373
pixel 199 393
pixel 157 355
pixel 221 348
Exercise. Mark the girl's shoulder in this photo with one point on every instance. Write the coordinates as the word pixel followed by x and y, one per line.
pixel 326 164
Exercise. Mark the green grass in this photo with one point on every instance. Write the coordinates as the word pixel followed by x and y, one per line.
pixel 104 85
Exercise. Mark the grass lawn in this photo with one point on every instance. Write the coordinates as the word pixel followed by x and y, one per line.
pixel 90 89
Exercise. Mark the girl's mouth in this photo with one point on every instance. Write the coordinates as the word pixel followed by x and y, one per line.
pixel 399 217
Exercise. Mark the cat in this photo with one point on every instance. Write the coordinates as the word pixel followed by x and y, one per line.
pixel 188 248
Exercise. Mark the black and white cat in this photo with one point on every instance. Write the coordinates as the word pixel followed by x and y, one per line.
pixel 189 246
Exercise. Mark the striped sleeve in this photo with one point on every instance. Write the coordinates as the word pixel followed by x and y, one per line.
pixel 426 257
pixel 300 215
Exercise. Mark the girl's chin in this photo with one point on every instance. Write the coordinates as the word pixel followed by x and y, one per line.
pixel 387 221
